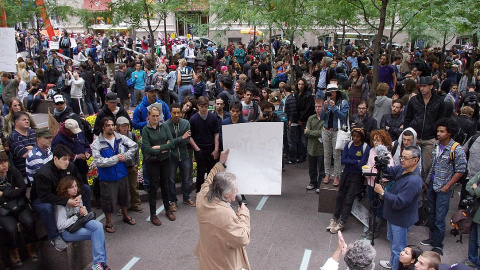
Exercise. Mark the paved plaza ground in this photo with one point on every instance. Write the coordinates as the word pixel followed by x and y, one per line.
pixel 287 232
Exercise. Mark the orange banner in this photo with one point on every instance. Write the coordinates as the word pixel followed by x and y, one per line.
pixel 46 20
pixel 3 15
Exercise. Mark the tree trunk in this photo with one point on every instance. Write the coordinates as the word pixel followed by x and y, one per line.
pixel 390 43
pixel 40 47
pixel 376 54
pixel 444 45
pixel 474 56
pixel 343 37
pixel 292 72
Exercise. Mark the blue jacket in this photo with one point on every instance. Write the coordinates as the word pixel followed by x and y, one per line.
pixel 400 204
pixel 140 113
pixel 339 112
pixel 104 155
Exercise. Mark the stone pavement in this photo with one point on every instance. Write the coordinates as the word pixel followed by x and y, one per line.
pixel 287 233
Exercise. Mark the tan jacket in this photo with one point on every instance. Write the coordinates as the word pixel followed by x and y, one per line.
pixel 223 233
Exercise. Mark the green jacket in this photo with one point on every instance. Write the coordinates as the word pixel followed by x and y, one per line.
pixel 159 136
pixel 475 193
pixel 314 132
pixel 181 151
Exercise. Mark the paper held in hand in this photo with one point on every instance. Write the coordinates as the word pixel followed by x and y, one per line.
pixel 255 156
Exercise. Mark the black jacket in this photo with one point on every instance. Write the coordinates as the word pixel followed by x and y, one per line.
pixel 51 76
pixel 14 179
pixel 291 108
pixel 121 85
pixel 467 124
pixel 305 105
pixel 330 75
pixel 423 118
pixel 46 180
pixel 369 123
pixel 393 123
pixel 105 111
pixel 87 76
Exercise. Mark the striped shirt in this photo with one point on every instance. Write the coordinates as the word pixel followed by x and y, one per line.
pixel 36 159
pixel 18 142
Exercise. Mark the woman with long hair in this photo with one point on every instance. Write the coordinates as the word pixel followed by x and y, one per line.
pixel 334 115
pixel 409 257
pixel 69 187
pixel 33 97
pixel 355 93
pixel 188 107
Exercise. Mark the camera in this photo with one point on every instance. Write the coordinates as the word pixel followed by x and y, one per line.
pixel 381 162
pixel 467 202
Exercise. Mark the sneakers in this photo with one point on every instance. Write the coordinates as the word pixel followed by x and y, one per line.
pixel 337 228
pixel 333 224
pixel 317 190
pixel 310 187
pixel 386 264
pixel 100 266
pixel 190 203
pixel 438 250
pixel 173 206
pixel 426 242
pixel 59 244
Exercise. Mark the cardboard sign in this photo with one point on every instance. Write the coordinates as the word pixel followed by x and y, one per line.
pixel 360 212
pixel 255 156
pixel 8 50
pixel 54 45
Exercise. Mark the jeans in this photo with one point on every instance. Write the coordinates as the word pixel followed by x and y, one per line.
pixel 93 230
pixel 91 104
pixel 474 244
pixel 47 213
pixel 293 142
pixel 32 103
pixel 132 97
pixel 371 196
pixel 164 95
pixel 438 204
pixel 316 169
pixel 5 109
pixel 350 185
pixel 184 166
pixel 158 172
pixel 205 163
pixel 9 224
pixel 398 241
pixel 183 91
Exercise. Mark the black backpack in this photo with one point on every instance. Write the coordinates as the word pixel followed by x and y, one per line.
pixel 109 57
pixel 471 101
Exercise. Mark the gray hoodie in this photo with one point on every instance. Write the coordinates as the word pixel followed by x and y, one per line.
pixel 383 105
pixel 398 151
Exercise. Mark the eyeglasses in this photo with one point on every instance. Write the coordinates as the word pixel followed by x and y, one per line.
pixel 59 103
pixel 405 158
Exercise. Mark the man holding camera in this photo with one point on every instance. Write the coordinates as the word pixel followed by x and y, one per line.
pixel 401 202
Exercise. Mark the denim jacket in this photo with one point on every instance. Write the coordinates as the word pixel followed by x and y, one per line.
pixel 171 79
pixel 443 168
pixel 339 112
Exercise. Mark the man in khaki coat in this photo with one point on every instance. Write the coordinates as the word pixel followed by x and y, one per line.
pixel 223 233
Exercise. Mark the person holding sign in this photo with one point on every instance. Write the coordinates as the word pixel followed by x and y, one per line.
pixel 224 233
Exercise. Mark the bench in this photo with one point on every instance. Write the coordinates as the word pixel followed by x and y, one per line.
pixel 77 256
pixel 327 198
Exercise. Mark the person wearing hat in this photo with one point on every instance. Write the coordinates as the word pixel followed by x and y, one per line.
pixel 123 127
pixel 72 136
pixel 354 156
pixel 423 112
pixel 62 111
pixel 41 152
pixel 12 187
pixel 140 114
pixel 21 141
pixel 110 109
pixel 334 116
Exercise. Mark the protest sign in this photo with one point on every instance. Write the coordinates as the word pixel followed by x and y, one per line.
pixel 8 55
pixel 255 156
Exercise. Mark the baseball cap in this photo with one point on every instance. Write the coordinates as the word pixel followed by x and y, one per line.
pixel 43 133
pixel 332 87
pixel 472 85
pixel 72 125
pixel 150 88
pixel 111 97
pixel 58 99
pixel 122 120
pixel 172 67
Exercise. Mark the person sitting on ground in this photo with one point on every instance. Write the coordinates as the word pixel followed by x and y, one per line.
pixel 15 106
pixel 409 257
pixel 359 255
pixel 40 154
pixel 67 215
pixel 429 260
pixel 13 190
pixel 21 141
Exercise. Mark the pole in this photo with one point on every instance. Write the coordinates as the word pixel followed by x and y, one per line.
pixel 46 21
pixel 3 17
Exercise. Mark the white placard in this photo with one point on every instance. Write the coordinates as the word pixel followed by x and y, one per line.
pixel 255 156
pixel 360 212
pixel 54 45
pixel 8 50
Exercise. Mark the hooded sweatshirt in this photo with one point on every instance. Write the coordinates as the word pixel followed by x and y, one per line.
pixel 399 146
pixel 383 105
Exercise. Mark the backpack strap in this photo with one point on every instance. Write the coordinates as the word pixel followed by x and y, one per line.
pixel 364 148
pixel 470 143
pixel 452 151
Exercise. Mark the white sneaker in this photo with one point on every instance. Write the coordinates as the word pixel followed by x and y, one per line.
pixel 386 264
pixel 333 224
pixel 59 244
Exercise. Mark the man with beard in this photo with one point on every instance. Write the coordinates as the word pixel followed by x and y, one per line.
pixel 393 123
pixel 363 118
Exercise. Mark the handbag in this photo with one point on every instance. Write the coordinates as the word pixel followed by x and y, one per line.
pixel 422 212
pixel 12 207
pixel 150 158
pixel 343 136
pixel 80 223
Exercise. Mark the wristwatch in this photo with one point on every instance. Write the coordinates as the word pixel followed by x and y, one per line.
pixel 223 164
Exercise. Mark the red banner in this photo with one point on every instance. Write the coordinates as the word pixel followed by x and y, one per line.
pixel 3 15
pixel 46 20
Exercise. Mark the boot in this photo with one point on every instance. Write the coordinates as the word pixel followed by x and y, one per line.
pixel 32 252
pixel 15 258
pixel 378 224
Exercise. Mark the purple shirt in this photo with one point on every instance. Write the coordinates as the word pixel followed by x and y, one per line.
pixel 385 75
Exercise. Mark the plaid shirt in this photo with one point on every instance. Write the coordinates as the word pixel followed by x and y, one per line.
pixel 443 168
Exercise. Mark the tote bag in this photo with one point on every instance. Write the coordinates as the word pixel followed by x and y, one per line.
pixel 343 136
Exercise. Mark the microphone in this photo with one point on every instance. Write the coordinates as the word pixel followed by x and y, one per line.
pixel 381 150
pixel 239 199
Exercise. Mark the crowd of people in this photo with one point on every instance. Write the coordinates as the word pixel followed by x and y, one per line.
pixel 421 118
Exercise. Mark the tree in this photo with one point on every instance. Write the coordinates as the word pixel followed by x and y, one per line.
pixel 152 12
pixel 468 24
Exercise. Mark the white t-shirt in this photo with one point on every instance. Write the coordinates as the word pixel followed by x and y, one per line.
pixel 111 142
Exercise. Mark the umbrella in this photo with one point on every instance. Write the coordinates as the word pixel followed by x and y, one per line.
pixel 251 31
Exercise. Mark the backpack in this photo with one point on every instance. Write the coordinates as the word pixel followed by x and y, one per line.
pixel 282 116
pixel 145 42
pixel 364 146
pixel 105 81
pixel 461 136
pixel 471 101
pixel 159 84
pixel 461 222
pixel 109 57
pixel 65 42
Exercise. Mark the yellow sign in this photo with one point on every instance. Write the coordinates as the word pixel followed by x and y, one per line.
pixel 189 36
pixel 172 35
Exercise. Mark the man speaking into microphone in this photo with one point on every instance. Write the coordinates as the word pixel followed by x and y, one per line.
pixel 400 207
pixel 224 233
